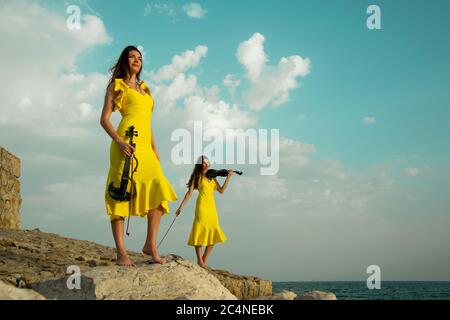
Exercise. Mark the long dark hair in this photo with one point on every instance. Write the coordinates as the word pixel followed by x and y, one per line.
pixel 197 172
pixel 121 67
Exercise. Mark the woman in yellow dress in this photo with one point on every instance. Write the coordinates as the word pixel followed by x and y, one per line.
pixel 206 230
pixel 130 96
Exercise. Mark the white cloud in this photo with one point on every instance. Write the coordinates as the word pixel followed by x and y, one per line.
pixel 180 63
pixel 266 187
pixel 191 10
pixel 231 83
pixel 218 115
pixel 251 55
pixel 368 120
pixel 92 32
pixel 194 10
pixel 22 31
pixel 412 171
pixel 43 94
pixel 269 84
pixel 333 169
pixel 181 100
pixel 144 54
pixel 295 153
pixel 167 95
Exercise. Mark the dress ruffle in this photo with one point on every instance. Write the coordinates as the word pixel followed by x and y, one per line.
pixel 148 195
pixel 202 235
pixel 121 88
pixel 144 87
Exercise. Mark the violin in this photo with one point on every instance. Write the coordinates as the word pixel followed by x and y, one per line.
pixel 120 193
pixel 211 173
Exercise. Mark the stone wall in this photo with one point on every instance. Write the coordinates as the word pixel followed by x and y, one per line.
pixel 10 200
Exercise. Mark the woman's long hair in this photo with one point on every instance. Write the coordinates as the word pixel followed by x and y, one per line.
pixel 122 68
pixel 197 172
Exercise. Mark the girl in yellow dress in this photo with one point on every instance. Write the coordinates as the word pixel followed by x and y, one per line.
pixel 130 96
pixel 205 230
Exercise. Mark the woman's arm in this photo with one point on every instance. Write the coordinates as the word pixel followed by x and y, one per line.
pixel 186 199
pixel 155 148
pixel 222 188
pixel 106 123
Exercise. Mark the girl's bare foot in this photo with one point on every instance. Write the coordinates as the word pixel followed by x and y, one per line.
pixel 146 250
pixel 201 263
pixel 124 260
pixel 153 252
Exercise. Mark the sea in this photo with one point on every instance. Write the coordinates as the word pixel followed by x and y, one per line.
pixel 357 290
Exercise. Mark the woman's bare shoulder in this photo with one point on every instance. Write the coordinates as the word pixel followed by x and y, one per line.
pixel 110 89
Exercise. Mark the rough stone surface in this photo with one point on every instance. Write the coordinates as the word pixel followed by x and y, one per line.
pixel 316 295
pixel 10 199
pixel 177 279
pixel 32 259
pixel 9 292
pixel 283 295
pixel 243 287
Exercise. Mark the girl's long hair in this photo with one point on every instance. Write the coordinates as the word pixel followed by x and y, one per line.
pixel 196 173
pixel 121 68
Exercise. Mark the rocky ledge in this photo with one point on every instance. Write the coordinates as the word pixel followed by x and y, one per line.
pixel 39 265
pixel 41 261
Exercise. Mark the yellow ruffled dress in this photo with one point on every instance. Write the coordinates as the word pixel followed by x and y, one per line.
pixel 206 230
pixel 150 185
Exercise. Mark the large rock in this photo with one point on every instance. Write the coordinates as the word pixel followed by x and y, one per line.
pixel 9 292
pixel 10 200
pixel 177 279
pixel 34 259
pixel 283 295
pixel 243 287
pixel 316 295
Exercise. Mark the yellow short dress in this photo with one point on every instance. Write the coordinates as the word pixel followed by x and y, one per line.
pixel 150 185
pixel 206 230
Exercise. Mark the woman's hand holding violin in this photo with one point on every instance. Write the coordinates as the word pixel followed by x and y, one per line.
pixel 125 147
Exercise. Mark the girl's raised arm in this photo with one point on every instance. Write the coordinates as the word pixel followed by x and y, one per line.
pixel 222 188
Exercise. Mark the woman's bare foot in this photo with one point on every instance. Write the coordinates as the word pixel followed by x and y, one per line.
pixel 124 260
pixel 160 260
pixel 153 252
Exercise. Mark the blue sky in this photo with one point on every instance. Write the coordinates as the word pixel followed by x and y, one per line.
pixel 348 193
pixel 397 75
